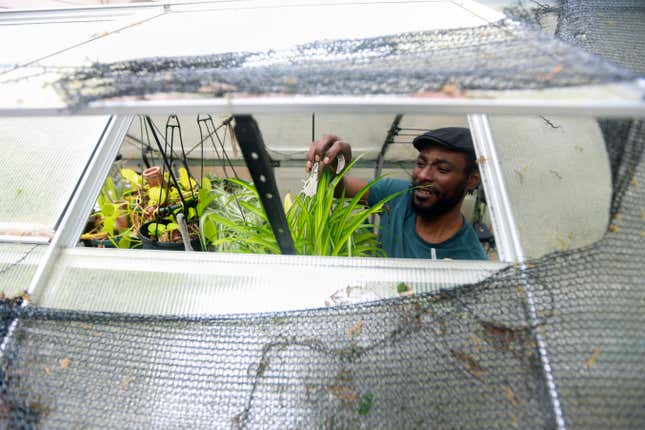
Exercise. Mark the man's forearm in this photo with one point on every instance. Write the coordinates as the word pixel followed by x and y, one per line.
pixel 351 186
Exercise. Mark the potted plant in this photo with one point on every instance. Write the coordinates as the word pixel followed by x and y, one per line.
pixel 162 200
pixel 113 224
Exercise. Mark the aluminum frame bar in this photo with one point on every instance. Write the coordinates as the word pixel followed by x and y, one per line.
pixel 73 219
pixel 346 104
pixel 509 245
pixel 501 213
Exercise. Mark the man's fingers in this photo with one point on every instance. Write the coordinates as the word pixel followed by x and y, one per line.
pixel 331 153
pixel 320 148
pixel 311 156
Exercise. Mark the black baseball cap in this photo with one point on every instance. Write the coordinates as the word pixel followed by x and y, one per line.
pixel 455 138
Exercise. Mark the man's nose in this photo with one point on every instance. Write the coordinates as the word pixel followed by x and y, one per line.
pixel 426 174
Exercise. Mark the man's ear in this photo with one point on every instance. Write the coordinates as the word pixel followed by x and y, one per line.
pixel 474 180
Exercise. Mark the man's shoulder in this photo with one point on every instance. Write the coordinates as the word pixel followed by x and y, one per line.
pixel 385 187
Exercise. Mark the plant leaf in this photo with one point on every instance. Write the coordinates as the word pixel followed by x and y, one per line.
pixel 132 177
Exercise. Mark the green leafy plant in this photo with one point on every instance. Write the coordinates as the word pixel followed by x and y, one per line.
pixel 113 223
pixel 320 225
pixel 121 211
pixel 231 207
pixel 171 201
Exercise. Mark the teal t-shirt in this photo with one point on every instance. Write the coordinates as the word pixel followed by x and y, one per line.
pixel 398 233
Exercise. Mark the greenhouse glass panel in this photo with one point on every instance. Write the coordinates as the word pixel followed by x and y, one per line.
pixel 41 162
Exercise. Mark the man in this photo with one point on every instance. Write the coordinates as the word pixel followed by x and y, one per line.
pixel 426 220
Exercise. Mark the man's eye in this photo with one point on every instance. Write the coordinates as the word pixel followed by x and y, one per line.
pixel 420 163
pixel 444 171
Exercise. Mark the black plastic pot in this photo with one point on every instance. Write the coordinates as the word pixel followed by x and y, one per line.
pixel 149 243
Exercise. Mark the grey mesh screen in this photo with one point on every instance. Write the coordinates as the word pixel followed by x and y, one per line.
pixel 499 56
pixel 612 29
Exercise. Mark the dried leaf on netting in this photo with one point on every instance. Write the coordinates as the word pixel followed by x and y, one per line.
pixel 614 228
pixel 125 382
pixel 470 364
pixel 343 392
pixel 451 90
pixel 477 341
pixel 594 356
pixel 510 395
pixel 481 160
pixel 502 337
pixel 65 363
pixel 551 73
pixel 356 329
pixel 47 370
pixel 634 182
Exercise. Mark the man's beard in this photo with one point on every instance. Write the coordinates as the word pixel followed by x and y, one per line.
pixel 442 205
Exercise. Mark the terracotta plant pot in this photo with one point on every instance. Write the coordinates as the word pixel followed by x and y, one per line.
pixel 153 177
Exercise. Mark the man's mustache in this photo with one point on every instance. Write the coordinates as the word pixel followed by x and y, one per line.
pixel 429 186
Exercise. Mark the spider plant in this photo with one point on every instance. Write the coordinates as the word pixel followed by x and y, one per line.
pixel 229 207
pixel 320 225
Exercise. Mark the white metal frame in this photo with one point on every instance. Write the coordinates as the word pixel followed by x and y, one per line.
pixel 350 104
pixel 82 201
pixel 507 238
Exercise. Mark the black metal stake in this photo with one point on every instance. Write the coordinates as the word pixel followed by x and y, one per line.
pixel 166 162
pixel 257 160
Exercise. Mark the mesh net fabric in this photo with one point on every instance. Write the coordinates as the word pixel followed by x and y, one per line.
pixel 499 56
pixel 464 358
pixel 612 29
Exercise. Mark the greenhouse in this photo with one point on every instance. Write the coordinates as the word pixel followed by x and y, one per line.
pixel 166 263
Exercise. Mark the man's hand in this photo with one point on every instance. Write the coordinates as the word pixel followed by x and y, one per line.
pixel 326 149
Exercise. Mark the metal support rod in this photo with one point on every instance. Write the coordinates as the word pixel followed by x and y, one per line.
pixel 505 230
pixel 504 224
pixel 389 138
pixel 185 235
pixel 257 159
pixel 166 162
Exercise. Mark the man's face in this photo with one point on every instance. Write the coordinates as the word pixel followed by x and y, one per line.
pixel 442 173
